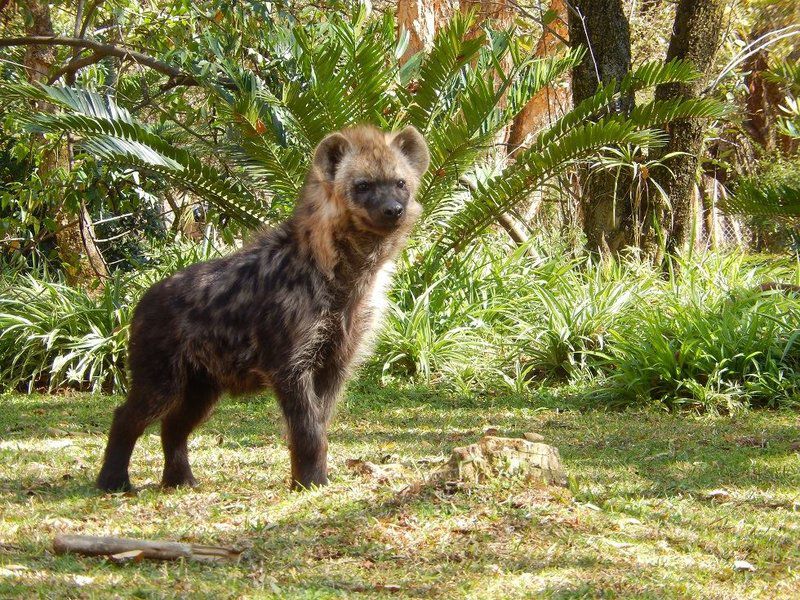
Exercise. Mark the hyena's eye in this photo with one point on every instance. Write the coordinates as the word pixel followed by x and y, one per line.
pixel 362 186
pixel 401 183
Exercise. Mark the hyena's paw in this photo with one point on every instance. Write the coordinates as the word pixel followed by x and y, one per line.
pixel 114 482
pixel 174 479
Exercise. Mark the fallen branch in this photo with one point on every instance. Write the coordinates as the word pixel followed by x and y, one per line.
pixel 89 545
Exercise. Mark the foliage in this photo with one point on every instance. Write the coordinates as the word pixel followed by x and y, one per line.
pixel 345 69
pixel 706 340
pixel 786 74
pixel 695 349
pixel 53 335
pixel 772 192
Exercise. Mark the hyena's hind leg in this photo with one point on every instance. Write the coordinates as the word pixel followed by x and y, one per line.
pixel 199 398
pixel 130 421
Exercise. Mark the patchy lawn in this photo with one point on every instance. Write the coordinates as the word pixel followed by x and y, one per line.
pixel 637 522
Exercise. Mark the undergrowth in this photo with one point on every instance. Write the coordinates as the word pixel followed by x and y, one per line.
pixel 702 337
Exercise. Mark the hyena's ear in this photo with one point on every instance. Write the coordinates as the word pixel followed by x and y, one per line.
pixel 329 154
pixel 411 143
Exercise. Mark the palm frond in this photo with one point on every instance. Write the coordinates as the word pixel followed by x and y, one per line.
pixel 109 132
pixel 657 72
pixel 480 116
pixel 659 112
pixel 763 199
pixel 451 51
pixel 532 168
pixel 647 75
pixel 786 73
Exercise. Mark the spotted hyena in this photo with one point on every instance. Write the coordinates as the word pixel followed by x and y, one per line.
pixel 290 311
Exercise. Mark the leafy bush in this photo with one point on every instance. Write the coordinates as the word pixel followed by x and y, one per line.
pixel 53 335
pixel 705 338
pixel 721 356
pixel 710 340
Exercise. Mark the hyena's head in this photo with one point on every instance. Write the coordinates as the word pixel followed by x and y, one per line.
pixel 370 178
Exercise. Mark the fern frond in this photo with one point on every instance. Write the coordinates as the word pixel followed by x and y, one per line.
pixel 659 112
pixel 126 142
pixel 451 51
pixel 658 72
pixel 532 168
pixel 765 199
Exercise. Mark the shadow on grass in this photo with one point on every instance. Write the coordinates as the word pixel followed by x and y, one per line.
pixel 669 454
pixel 665 456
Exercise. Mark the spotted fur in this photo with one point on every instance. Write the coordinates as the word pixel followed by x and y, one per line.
pixel 291 311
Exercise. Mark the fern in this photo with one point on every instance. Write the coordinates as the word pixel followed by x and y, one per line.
pixel 451 51
pixel 341 71
pixel 110 133
pixel 773 192
pixel 530 170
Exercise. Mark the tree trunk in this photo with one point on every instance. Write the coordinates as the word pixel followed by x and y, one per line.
pixel 601 26
pixel 551 102
pixel 422 19
pixel 83 263
pixel 695 37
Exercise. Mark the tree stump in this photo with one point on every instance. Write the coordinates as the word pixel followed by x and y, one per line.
pixel 500 456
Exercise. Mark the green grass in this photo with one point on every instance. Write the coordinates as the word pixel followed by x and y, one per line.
pixel 637 521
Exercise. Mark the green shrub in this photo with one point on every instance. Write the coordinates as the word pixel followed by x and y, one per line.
pixel 53 336
pixel 704 338
pixel 717 357
pixel 566 320
pixel 709 340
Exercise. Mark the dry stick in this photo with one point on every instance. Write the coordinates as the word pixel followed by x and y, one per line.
pixel 90 545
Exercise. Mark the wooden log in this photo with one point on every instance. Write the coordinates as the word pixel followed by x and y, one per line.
pixel 123 558
pixel 90 545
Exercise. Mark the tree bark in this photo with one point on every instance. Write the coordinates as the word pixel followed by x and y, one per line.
pixel 695 37
pixel 551 102
pixel 601 26
pixel 763 99
pixel 422 19
pixel 81 258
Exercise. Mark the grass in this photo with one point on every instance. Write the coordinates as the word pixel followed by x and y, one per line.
pixel 637 521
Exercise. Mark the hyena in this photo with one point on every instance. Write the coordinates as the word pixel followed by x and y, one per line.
pixel 291 311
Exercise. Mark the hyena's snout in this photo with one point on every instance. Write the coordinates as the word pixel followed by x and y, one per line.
pixel 392 210
pixel 389 204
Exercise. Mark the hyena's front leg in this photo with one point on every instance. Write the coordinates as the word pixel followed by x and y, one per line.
pixel 307 428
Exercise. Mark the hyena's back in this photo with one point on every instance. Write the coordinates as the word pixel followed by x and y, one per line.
pixel 228 319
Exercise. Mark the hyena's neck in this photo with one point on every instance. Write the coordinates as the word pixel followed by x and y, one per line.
pixel 343 252
pixel 361 255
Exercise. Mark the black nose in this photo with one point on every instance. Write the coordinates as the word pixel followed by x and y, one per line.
pixel 393 210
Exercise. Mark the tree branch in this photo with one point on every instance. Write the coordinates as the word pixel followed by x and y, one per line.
pixel 75 65
pixel 177 77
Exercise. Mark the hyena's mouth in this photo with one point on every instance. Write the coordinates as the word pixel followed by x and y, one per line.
pixel 368 223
